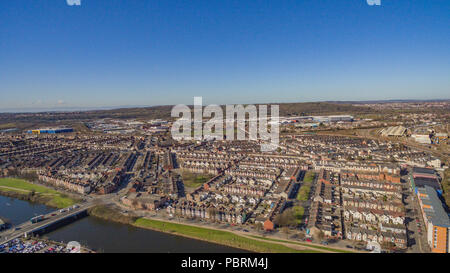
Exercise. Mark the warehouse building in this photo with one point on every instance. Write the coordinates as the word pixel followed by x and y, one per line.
pixel 422 138
pixel 337 118
pixel 421 182
pixel 421 177
pixel 50 131
pixel 393 131
pixel 424 172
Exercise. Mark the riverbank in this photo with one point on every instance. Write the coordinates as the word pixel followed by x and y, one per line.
pixel 222 237
pixel 23 190
pixel 26 191
pixel 218 236
pixel 107 213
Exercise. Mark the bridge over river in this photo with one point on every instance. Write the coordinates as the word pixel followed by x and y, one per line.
pixel 49 220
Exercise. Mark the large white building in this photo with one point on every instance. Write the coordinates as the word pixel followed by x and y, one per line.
pixel 423 139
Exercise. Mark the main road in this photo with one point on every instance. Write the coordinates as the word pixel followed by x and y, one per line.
pixel 52 218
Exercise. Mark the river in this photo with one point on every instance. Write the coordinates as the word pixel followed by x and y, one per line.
pixel 109 237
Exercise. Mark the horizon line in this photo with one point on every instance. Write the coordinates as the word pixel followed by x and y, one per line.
pixel 72 109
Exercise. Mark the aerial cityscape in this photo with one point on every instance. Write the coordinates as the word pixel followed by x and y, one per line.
pixel 104 147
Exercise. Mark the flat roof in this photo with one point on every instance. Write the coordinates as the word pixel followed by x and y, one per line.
pixel 394 131
pixel 436 214
pixel 430 182
pixel 423 170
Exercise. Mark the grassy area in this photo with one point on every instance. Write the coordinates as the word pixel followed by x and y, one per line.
pixel 217 236
pixel 108 213
pixel 194 180
pixel 305 188
pixel 35 193
pixel 24 185
pixel 299 211
pixel 302 244
pixel 62 201
pixel 309 176
pixel 7 125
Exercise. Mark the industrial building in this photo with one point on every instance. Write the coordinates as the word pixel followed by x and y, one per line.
pixel 436 220
pixel 422 138
pixel 50 131
pixel 393 131
pixel 422 177
pixel 424 172
pixel 439 138
pixel 336 118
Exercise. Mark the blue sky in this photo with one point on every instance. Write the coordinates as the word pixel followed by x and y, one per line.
pixel 146 52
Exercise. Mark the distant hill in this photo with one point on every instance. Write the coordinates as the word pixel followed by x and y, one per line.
pixel 389 101
pixel 321 108
pixel 163 112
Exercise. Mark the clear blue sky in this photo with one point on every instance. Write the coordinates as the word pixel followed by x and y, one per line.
pixel 148 52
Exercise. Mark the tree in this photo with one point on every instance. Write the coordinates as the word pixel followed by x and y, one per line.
pixel 285 230
pixel 212 213
pixel 287 218
pixel 321 235
pixel 388 245
pixel 301 235
pixel 258 226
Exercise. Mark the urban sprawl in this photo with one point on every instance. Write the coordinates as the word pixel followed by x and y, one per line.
pixel 381 192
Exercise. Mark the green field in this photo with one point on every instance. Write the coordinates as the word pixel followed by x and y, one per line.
pixel 309 177
pixel 299 212
pixel 305 188
pixel 303 244
pixel 217 236
pixel 40 193
pixel 7 125
pixel 193 180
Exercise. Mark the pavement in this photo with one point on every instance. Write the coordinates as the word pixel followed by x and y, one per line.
pixel 239 230
pixel 417 241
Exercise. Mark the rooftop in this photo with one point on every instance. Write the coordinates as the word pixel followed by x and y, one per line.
pixel 436 213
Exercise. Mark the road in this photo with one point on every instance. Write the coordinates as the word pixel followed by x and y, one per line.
pixel 417 241
pixel 52 217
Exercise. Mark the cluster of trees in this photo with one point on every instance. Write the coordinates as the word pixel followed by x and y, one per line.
pixel 30 176
pixel 290 218
pixel 286 219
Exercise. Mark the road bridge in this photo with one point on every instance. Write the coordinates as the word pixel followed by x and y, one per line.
pixel 49 220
